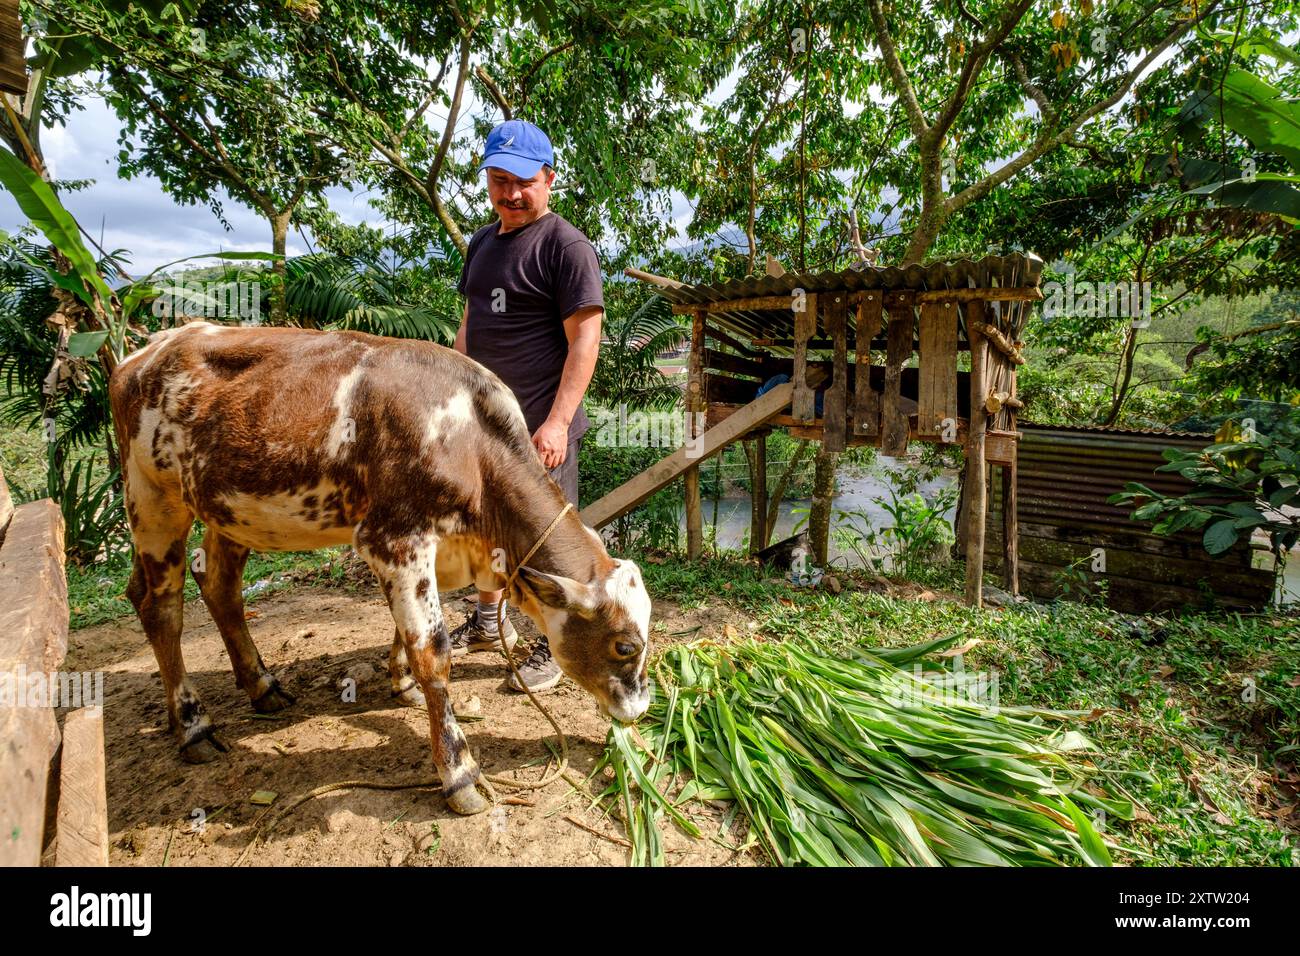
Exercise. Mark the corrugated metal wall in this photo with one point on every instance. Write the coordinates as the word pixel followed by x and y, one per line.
pixel 1065 476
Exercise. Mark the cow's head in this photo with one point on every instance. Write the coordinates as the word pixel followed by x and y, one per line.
pixel 599 633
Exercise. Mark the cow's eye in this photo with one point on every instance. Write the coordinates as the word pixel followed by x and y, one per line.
pixel 624 649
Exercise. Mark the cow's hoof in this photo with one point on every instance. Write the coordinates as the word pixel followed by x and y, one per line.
pixel 275 698
pixel 203 750
pixel 411 697
pixel 467 801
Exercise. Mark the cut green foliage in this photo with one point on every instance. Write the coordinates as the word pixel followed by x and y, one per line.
pixel 856 761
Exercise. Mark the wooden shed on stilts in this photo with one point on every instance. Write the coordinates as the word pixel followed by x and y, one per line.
pixel 883 346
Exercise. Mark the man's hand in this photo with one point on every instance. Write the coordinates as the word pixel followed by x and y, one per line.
pixel 552 443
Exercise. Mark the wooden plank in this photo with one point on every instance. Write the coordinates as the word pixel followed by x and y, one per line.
pixel 835 408
pixel 804 406
pixel 866 400
pixel 695 403
pixel 751 304
pixel 650 277
pixel 1177 548
pixel 976 502
pixel 1010 530
pixel 33 639
pixel 1010 293
pixel 937 400
pixel 1153 571
pixel 6 507
pixel 736 365
pixel 83 798
pixel 732 391
pixel 741 347
pixel 758 498
pixel 893 420
pixel 631 493
pixel 814 345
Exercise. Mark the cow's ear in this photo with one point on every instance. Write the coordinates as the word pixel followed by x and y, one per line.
pixel 557 591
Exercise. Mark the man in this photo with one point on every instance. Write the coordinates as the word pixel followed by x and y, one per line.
pixel 533 310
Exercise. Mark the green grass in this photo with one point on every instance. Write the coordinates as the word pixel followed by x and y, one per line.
pixel 1178 740
pixel 1177 737
pixel 97 593
pixel 22 455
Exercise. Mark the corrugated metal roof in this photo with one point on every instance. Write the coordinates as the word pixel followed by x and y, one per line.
pixel 1111 430
pixel 1015 270
pixel 1018 270
pixel 1065 475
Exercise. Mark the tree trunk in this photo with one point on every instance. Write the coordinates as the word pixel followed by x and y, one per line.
pixel 933 214
pixel 279 234
pixel 819 518
pixel 778 493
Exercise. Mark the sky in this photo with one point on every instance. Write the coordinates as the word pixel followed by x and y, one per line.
pixel 138 216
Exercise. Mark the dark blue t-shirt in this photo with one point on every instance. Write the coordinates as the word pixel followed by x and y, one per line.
pixel 520 287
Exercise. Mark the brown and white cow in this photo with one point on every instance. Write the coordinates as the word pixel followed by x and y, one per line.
pixel 288 440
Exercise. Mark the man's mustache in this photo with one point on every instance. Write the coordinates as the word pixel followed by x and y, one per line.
pixel 512 205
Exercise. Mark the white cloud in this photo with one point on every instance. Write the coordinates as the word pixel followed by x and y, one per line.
pixel 136 214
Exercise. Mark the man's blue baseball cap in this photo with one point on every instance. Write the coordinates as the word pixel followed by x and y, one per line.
pixel 518 147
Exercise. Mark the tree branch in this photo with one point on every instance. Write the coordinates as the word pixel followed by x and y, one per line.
pixel 1049 140
pixel 902 85
pixel 495 91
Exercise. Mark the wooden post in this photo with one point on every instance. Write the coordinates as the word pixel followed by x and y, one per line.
pixel 695 405
pixel 866 401
pixel 1010 530
pixel 819 515
pixel 34 639
pixel 758 497
pixel 6 506
pixel 804 406
pixel 937 385
pixel 893 420
pixel 835 409
pixel 83 803
pixel 976 489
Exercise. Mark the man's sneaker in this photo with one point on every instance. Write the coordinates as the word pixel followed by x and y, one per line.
pixel 540 672
pixel 471 636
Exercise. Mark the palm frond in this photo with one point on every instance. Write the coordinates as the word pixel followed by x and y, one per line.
pixel 347 293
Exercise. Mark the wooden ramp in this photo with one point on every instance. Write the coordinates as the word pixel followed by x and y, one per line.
pixel 631 493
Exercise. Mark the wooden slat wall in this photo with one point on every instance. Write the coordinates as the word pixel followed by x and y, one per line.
pixel 938 363
pixel 835 406
pixel 893 419
pixel 866 400
pixel 805 327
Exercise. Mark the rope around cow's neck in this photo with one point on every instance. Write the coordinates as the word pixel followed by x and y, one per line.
pixel 501 636
pixel 488 779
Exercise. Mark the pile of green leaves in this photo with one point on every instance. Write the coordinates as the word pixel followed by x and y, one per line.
pixel 854 761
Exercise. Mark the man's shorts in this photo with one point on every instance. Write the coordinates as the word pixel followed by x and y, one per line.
pixel 566 473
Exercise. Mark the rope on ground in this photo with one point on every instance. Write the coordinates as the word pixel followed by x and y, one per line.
pixel 486 779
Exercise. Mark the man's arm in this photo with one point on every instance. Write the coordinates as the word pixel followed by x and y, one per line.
pixel 459 344
pixel 582 329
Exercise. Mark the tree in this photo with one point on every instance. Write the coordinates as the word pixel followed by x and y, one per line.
pixel 207 104
pixel 609 82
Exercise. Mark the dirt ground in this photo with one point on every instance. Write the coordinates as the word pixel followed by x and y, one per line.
pixel 311 637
